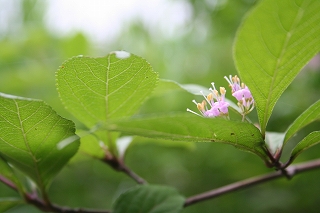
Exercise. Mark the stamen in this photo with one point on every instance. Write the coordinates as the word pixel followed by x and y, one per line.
pixel 201 106
pixel 229 80
pixel 205 97
pixel 222 91
pixel 212 83
pixel 189 110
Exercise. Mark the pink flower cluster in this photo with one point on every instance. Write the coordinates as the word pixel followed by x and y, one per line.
pixel 215 104
pixel 242 93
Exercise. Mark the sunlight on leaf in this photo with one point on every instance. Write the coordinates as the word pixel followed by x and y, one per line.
pixel 97 89
pixel 273 44
pixel 30 132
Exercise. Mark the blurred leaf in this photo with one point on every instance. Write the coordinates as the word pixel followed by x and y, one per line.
pixel 310 140
pixel 273 44
pixel 7 172
pixel 149 199
pixel 165 86
pixel 308 116
pixel 98 89
pixel 274 142
pixel 30 132
pixel 74 45
pixel 185 127
pixel 8 203
pixel 90 144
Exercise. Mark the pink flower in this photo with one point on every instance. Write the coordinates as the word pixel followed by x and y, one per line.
pixel 242 93
pixel 214 104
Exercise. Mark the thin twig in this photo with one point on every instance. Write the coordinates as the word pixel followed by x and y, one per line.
pixel 290 172
pixel 119 165
pixel 8 183
pixel 133 175
pixel 45 206
pixel 42 205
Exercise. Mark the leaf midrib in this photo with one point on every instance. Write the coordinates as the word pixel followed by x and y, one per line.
pixel 28 147
pixel 276 70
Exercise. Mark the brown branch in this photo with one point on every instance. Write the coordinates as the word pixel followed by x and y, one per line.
pixel 45 207
pixel 290 172
pixel 133 175
pixel 118 165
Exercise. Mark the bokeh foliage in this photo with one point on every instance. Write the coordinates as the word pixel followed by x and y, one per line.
pixel 30 57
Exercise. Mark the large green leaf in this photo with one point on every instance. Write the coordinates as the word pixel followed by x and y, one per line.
pixel 163 142
pixel 29 133
pixel 310 140
pixel 273 44
pixel 307 117
pixel 149 199
pixel 97 89
pixel 8 203
pixel 188 127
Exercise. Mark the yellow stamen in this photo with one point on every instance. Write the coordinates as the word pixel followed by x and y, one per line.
pixel 222 90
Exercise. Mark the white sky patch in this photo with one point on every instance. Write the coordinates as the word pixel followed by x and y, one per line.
pixel 8 14
pixel 103 20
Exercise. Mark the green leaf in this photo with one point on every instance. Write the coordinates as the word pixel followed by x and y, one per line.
pixel 149 199
pixel 8 203
pixel 95 90
pixel 310 140
pixel 307 117
pixel 162 142
pixel 7 173
pixel 273 44
pixel 30 133
pixel 188 127
pixel 165 86
pixel 90 144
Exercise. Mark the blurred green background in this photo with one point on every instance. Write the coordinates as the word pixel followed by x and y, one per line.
pixel 199 52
